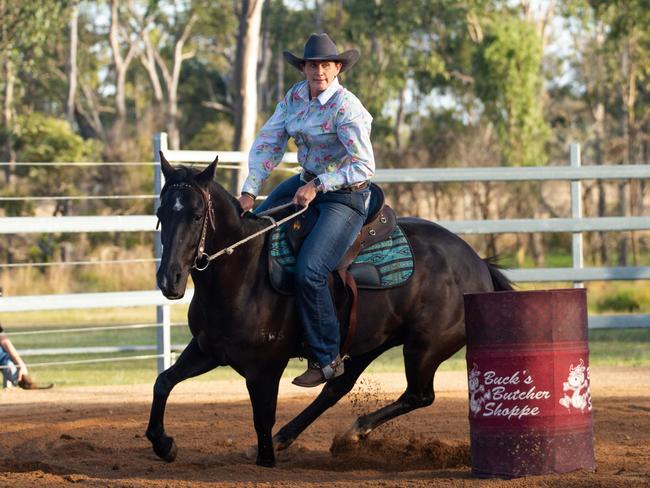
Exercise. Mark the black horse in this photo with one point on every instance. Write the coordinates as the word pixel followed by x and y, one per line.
pixel 237 319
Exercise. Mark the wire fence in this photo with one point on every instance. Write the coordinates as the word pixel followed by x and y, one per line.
pixel 97 262
pixel 76 197
pixel 81 198
pixel 93 329
pixel 89 350
pixel 79 263
pixel 89 361
pixel 576 225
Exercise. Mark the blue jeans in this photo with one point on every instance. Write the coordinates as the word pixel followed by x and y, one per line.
pixel 341 215
pixel 9 372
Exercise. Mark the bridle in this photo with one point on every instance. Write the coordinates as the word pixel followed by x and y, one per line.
pixel 208 217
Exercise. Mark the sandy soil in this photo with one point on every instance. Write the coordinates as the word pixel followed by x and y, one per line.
pixel 94 437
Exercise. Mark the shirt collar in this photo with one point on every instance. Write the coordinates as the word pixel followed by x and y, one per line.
pixel 324 97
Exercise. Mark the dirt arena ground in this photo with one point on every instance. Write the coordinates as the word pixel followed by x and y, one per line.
pixel 94 437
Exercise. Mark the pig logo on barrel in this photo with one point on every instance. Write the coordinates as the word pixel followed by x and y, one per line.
pixel 576 388
pixel 477 394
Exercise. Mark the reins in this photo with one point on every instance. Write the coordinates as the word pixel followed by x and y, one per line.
pixel 230 249
pixel 209 217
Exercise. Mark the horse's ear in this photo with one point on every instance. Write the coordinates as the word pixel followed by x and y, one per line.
pixel 207 175
pixel 166 168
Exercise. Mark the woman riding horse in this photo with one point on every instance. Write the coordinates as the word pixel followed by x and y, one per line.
pixel 332 130
pixel 238 319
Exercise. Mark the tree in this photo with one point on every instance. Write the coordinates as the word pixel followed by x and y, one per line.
pixel 611 59
pixel 176 34
pixel 124 45
pixel 25 28
pixel 507 70
pixel 72 60
pixel 245 81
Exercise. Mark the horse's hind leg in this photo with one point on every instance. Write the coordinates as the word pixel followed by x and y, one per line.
pixel 191 362
pixel 332 392
pixel 421 361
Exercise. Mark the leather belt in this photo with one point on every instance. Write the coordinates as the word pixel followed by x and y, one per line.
pixel 307 176
pixel 356 186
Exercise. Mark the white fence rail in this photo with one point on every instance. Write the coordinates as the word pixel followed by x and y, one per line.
pixel 576 225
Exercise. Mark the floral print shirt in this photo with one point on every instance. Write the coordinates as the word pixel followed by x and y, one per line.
pixel 332 132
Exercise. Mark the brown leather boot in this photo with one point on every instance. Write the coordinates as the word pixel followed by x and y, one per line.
pixel 26 383
pixel 315 375
pixel 310 378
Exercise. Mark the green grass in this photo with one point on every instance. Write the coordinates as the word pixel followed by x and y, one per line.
pixel 608 347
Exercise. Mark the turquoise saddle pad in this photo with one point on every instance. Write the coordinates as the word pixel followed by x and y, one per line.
pixel 386 264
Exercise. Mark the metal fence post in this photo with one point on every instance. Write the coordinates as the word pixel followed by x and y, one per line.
pixel 163 312
pixel 576 213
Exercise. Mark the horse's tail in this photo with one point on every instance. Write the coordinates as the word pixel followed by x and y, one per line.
pixel 499 280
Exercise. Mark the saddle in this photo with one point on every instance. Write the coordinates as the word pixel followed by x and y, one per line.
pixel 363 266
pixel 379 224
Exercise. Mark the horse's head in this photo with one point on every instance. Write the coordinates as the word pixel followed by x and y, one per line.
pixel 185 213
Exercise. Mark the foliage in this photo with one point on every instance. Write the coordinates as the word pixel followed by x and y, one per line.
pixel 620 302
pixel 43 138
pixel 448 84
pixel 27 28
pixel 509 82
pixel 47 139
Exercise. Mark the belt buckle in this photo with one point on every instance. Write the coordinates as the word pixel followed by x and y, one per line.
pixel 359 186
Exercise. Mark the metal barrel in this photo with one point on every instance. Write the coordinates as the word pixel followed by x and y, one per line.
pixel 528 376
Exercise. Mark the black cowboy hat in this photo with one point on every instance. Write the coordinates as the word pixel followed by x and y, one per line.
pixel 319 47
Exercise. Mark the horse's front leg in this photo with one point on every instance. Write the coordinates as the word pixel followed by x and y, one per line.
pixel 263 384
pixel 191 362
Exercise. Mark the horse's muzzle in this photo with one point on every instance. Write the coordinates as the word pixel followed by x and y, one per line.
pixel 172 282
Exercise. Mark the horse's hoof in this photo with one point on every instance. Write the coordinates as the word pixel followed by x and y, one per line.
pixel 351 436
pixel 165 448
pixel 265 463
pixel 354 434
pixel 280 443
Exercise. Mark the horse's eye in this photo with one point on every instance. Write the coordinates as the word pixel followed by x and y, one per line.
pixel 197 217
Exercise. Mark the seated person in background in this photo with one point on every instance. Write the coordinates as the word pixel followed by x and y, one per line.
pixel 13 368
pixel 14 371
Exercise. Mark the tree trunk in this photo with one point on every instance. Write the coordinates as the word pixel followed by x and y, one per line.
pixel 279 77
pixel 628 91
pixel 179 57
pixel 121 64
pixel 599 132
pixel 248 43
pixel 8 121
pixel 482 196
pixel 171 78
pixel 72 67
pixel 264 69
pixel 631 132
pixel 148 61
pixel 318 15
pixel 399 124
pixel 623 241
pixel 645 154
pixel 88 119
